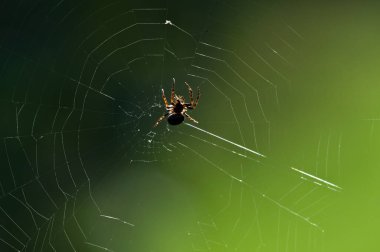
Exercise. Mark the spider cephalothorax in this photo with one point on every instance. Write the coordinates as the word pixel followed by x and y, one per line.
pixel 176 110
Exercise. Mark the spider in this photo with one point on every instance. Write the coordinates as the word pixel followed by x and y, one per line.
pixel 177 108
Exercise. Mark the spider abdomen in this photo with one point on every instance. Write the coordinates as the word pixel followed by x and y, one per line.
pixel 175 119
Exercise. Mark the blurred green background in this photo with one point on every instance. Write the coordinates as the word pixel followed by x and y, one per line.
pixel 82 168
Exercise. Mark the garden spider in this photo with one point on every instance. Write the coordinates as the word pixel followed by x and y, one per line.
pixel 177 108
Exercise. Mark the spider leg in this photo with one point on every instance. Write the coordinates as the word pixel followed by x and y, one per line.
pixel 160 119
pixel 172 95
pixel 196 100
pixel 188 105
pixel 164 99
pixel 192 102
pixel 189 117
pixel 190 93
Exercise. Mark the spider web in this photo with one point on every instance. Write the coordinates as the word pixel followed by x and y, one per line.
pixel 82 167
